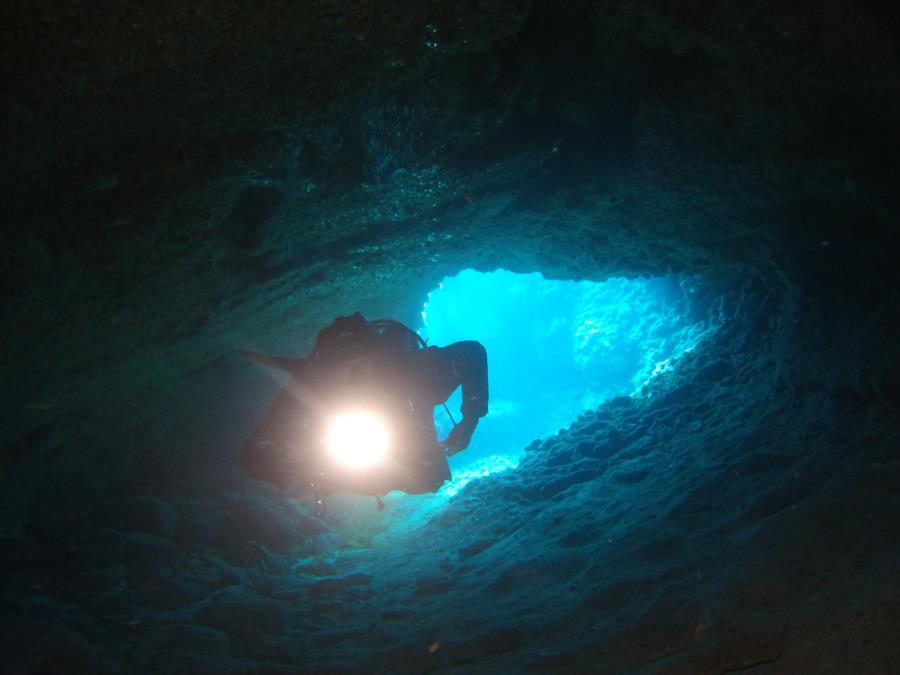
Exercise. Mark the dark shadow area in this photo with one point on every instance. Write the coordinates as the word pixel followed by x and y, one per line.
pixel 700 480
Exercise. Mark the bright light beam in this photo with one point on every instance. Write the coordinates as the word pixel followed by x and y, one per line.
pixel 357 440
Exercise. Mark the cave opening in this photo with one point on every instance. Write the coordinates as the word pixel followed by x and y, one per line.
pixel 556 349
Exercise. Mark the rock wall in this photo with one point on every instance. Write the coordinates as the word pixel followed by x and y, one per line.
pixel 188 180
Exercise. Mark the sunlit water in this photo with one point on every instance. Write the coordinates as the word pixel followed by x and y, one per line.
pixel 555 349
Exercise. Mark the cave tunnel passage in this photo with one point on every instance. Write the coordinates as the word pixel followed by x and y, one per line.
pixel 555 350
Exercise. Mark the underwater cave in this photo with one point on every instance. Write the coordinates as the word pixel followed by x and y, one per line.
pixel 672 226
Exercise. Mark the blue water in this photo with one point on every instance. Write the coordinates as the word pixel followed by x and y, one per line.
pixel 555 348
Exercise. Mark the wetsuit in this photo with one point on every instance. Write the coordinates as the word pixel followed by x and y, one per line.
pixel 436 372
pixel 408 382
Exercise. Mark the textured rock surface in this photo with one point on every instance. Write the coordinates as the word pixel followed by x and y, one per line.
pixel 184 180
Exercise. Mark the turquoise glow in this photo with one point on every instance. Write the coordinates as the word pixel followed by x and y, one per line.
pixel 555 349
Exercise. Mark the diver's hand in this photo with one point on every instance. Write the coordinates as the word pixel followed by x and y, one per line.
pixel 458 438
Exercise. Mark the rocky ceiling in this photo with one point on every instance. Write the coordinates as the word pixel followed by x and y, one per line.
pixel 182 179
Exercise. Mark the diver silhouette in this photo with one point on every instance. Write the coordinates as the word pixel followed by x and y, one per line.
pixel 357 414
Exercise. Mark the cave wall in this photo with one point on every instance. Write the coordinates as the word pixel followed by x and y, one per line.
pixel 161 218
pixel 185 181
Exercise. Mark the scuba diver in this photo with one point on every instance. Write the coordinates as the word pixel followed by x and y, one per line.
pixel 358 412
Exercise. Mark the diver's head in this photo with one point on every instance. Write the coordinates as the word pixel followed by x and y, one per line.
pixel 348 338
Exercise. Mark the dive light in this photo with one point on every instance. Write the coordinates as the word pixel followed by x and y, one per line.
pixel 357 439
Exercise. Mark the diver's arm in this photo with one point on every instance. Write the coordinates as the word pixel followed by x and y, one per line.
pixel 468 360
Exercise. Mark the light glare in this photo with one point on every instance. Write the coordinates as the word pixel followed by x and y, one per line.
pixel 357 439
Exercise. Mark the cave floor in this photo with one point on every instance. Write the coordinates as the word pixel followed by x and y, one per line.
pixel 706 528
